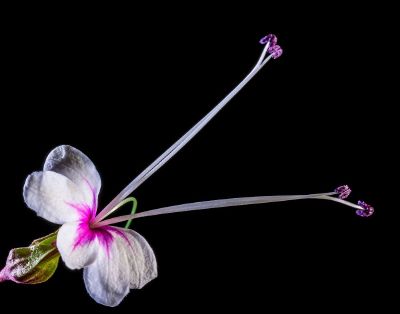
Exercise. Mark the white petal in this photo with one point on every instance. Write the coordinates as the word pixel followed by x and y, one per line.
pixel 77 244
pixel 129 263
pixel 76 166
pixel 50 194
pixel 142 255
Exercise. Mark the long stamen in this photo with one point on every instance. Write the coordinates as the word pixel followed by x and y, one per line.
pixel 125 201
pixel 236 202
pixel 339 200
pixel 264 52
pixel 178 145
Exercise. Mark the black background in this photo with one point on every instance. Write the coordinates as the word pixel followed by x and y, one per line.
pixel 122 85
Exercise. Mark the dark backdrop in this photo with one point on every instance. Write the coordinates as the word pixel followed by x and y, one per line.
pixel 124 85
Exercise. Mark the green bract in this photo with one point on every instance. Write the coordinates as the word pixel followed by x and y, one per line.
pixel 33 264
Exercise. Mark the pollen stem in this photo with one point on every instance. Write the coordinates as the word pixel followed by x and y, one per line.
pixel 334 199
pixel 178 145
pixel 230 202
pixel 264 52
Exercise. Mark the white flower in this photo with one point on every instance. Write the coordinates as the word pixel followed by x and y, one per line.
pixel 114 259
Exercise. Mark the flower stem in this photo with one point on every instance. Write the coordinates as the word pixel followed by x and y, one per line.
pixel 178 145
pixel 225 203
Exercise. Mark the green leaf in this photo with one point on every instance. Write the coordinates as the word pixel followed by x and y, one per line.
pixel 33 264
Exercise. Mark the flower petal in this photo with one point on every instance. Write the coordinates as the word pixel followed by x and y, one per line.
pixel 77 245
pixel 76 166
pixel 129 263
pixel 50 194
pixel 143 256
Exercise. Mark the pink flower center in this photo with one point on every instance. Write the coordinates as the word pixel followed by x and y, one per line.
pixel 86 233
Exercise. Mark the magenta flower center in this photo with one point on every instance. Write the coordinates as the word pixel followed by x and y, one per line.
pixel 86 233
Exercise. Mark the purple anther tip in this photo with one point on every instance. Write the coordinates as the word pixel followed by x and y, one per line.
pixel 343 191
pixel 271 38
pixel 276 51
pixel 366 211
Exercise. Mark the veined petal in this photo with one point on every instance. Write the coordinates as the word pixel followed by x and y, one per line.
pixel 128 263
pixel 51 194
pixel 142 255
pixel 76 166
pixel 77 244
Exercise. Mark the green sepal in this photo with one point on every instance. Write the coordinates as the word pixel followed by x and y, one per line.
pixel 33 264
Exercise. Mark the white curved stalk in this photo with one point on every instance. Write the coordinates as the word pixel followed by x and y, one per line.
pixel 178 145
pixel 225 203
